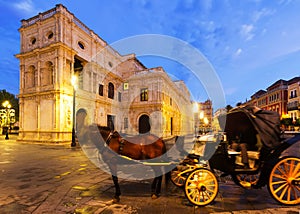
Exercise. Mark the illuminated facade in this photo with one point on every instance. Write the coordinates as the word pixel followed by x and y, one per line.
pixel 293 105
pixel 114 90
pixel 203 116
pixel 282 97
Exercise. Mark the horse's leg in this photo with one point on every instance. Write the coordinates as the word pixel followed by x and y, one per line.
pixel 117 189
pixel 156 184
pixel 113 169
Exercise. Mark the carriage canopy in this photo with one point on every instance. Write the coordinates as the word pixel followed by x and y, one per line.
pixel 251 120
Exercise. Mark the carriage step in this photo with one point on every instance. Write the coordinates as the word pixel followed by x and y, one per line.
pixel 245 184
pixel 245 170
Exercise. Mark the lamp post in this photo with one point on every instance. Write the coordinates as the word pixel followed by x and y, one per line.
pixel 7 106
pixel 74 84
pixel 195 111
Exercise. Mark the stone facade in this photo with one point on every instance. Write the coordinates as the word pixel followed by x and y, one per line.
pixel 282 97
pixel 112 89
pixel 293 105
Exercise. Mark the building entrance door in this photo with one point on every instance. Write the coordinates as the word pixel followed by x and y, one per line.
pixel 111 122
pixel 144 124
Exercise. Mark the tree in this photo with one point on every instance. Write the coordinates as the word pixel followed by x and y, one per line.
pixel 228 108
pixel 13 100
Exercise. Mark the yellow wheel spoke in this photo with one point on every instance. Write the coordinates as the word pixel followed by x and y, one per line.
pixel 279 176
pixel 192 192
pixel 292 165
pixel 281 187
pixel 289 194
pixel 191 187
pixel 297 171
pixel 283 192
pixel 278 182
pixel 281 171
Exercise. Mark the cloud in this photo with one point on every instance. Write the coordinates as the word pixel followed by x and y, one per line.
pixel 26 6
pixel 257 15
pixel 238 52
pixel 247 32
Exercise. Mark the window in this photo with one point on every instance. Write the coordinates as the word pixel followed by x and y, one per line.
pixel 47 74
pixel 144 94
pixel 50 35
pixel 111 90
pixel 125 86
pixel 119 96
pixel 125 123
pixel 30 77
pixel 33 40
pixel 80 44
pixel 100 89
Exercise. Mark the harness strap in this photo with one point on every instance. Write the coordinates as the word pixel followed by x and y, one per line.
pixel 108 138
pixel 121 146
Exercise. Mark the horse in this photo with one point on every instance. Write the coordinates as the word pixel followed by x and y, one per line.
pixel 141 147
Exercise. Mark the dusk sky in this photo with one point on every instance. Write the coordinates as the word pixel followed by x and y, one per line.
pixel 250 43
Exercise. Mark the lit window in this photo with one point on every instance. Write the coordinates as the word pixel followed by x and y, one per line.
pixel 144 94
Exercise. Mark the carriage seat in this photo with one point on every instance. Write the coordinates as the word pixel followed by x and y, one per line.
pixel 253 156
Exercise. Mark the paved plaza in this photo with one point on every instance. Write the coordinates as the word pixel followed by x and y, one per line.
pixel 59 179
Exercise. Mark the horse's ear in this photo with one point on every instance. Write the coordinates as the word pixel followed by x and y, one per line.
pixel 116 134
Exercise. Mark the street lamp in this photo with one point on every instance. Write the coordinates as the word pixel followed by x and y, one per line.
pixel 74 84
pixel 195 111
pixel 7 106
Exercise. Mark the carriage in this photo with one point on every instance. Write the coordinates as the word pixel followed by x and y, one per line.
pixel 273 161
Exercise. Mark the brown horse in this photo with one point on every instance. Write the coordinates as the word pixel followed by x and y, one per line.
pixel 143 147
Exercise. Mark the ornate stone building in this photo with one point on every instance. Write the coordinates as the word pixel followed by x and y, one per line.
pixel 114 90
pixel 293 105
pixel 282 97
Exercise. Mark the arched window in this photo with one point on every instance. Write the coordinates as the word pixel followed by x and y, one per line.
pixel 111 89
pixel 30 77
pixel 47 74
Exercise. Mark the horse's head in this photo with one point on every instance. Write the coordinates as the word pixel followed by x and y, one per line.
pixel 105 132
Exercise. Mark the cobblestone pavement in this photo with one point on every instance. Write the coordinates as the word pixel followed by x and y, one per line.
pixel 59 179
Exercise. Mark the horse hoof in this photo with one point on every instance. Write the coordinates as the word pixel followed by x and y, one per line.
pixel 116 199
pixel 154 196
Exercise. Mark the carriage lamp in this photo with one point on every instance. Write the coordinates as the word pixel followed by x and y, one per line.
pixel 74 84
pixel 7 106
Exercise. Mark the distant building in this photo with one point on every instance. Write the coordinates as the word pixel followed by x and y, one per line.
pixel 203 116
pixel 293 105
pixel 114 90
pixel 282 97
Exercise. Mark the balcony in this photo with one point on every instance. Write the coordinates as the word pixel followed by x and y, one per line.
pixel 293 106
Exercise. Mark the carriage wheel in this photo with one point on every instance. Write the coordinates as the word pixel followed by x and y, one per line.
pixel 284 181
pixel 201 187
pixel 177 178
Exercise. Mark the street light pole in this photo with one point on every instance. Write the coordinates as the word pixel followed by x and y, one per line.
pixel 73 81
pixel 7 106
